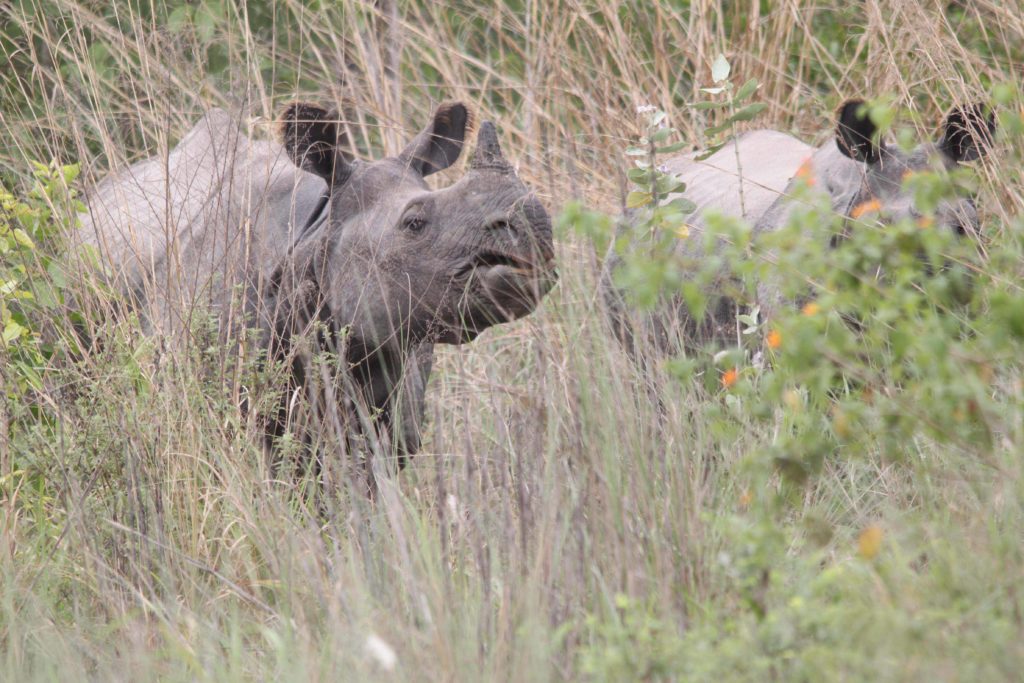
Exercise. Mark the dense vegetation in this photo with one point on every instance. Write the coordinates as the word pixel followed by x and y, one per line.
pixel 840 497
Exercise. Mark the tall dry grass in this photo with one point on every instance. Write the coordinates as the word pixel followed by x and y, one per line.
pixel 548 483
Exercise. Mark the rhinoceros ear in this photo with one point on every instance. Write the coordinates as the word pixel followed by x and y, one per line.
pixel 855 133
pixel 968 132
pixel 439 144
pixel 314 141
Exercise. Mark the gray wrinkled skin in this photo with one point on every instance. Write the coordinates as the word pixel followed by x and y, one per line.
pixel 850 168
pixel 324 253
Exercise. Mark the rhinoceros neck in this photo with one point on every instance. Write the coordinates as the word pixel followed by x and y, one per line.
pixel 385 385
pixel 840 176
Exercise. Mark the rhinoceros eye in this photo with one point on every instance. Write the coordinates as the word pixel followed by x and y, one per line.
pixel 414 223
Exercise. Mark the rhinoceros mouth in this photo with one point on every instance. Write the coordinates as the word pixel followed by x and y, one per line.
pixel 487 260
pixel 497 287
pixel 511 284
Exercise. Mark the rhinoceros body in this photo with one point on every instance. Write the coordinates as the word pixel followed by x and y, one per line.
pixel 744 185
pixel 182 234
pixel 753 179
pixel 321 252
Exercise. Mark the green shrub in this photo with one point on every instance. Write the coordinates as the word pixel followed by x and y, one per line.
pixel 899 348
pixel 32 279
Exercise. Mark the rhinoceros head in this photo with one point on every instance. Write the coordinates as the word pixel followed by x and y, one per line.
pixel 391 257
pixel 965 137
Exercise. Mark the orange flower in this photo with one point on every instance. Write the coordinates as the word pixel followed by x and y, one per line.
pixel 925 222
pixel 840 422
pixel 870 542
pixel 730 377
pixel 810 309
pixel 792 399
pixel 866 207
pixel 774 339
pixel 746 498
pixel 806 172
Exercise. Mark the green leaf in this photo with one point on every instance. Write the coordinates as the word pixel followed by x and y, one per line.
pixel 636 199
pixel 70 172
pixel 693 295
pixel 29 374
pixel 720 69
pixel 672 220
pixel 709 151
pixel 709 104
pixel 748 112
pixel 661 134
pixel 637 151
pixel 206 23
pixel 57 275
pixel 745 91
pixel 882 115
pixel 683 205
pixel 99 55
pixel 674 147
pixel 22 238
pixel 713 91
pixel 179 18
pixel 12 331
pixel 669 184
pixel 715 130
pixel 46 295
pixel 639 175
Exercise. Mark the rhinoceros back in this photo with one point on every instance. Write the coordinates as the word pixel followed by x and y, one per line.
pixel 745 179
pixel 766 163
pixel 203 226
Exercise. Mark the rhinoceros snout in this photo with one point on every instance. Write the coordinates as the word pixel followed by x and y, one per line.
pixel 524 230
pixel 530 226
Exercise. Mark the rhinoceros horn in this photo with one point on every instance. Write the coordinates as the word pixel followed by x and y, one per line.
pixel 487 155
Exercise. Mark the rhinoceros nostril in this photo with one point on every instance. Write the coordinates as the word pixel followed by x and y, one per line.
pixel 499 225
pixel 503 229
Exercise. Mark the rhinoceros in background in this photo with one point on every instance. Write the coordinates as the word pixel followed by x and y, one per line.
pixel 854 168
pixel 304 243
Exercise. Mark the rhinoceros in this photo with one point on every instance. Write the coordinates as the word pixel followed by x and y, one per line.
pixel 316 250
pixel 754 177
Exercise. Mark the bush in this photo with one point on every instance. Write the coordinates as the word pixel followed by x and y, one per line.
pixel 899 350
pixel 32 279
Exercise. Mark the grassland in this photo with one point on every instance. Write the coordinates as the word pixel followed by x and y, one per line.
pixel 558 523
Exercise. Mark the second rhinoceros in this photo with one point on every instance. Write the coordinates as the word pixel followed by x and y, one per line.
pixel 754 179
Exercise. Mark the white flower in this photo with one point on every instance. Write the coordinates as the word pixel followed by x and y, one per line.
pixel 646 109
pixel 381 652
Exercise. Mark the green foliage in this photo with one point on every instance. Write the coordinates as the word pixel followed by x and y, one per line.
pixel 892 329
pixel 630 643
pixel 735 102
pixel 647 244
pixel 895 338
pixel 33 289
pixel 32 279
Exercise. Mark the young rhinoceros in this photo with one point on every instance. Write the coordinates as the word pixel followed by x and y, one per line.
pixel 854 168
pixel 359 258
